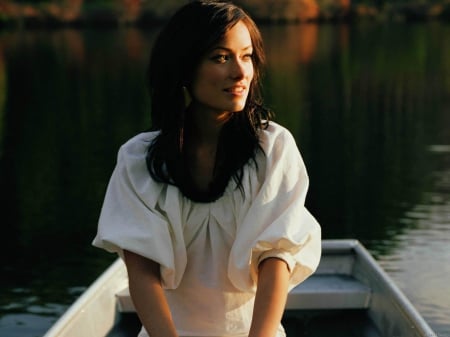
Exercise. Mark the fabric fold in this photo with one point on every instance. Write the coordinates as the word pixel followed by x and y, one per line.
pixel 131 217
pixel 276 219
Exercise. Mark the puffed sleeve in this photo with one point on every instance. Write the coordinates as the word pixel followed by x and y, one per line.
pixel 130 218
pixel 276 223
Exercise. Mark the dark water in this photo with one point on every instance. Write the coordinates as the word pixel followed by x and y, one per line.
pixel 369 106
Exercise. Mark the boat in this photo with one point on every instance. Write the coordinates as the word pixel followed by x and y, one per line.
pixel 348 295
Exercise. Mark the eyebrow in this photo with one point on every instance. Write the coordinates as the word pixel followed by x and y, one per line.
pixel 229 50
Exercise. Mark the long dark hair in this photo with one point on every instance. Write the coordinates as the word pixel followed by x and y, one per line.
pixel 176 54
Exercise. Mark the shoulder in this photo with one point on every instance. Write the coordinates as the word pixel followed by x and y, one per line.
pixel 131 157
pixel 276 137
pixel 131 172
pixel 139 143
pixel 137 146
pixel 279 149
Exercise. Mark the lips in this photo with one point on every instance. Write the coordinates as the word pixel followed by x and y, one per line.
pixel 236 90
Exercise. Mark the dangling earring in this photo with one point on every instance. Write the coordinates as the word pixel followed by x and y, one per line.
pixel 181 140
pixel 187 97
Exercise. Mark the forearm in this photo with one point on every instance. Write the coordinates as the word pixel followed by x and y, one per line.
pixel 270 300
pixel 148 296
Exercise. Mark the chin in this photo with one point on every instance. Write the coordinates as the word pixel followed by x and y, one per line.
pixel 237 107
pixel 230 107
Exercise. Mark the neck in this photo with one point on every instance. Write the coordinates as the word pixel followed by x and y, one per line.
pixel 205 126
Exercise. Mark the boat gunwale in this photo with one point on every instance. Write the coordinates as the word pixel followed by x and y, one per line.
pixel 92 292
pixel 403 304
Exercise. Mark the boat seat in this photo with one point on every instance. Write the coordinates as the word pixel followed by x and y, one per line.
pixel 329 291
pixel 320 291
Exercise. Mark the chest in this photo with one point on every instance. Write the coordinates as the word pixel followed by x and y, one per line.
pixel 201 165
pixel 209 226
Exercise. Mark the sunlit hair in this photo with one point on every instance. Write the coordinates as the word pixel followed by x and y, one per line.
pixel 176 55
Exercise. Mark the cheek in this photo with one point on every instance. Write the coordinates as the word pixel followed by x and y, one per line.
pixel 210 74
pixel 206 78
pixel 251 72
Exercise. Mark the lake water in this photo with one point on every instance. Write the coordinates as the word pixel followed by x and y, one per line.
pixel 369 105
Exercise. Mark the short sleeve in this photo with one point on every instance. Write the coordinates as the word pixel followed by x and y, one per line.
pixel 276 222
pixel 130 219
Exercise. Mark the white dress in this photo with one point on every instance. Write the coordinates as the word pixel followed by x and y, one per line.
pixel 209 252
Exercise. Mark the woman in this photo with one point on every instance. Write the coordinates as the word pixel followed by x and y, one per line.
pixel 207 210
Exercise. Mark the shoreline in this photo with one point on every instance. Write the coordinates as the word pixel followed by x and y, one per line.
pixel 51 15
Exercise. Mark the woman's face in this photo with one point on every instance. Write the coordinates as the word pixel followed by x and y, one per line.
pixel 223 78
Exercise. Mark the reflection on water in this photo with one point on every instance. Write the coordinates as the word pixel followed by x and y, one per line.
pixel 368 105
pixel 420 261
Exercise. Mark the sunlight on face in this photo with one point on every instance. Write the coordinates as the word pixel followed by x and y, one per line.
pixel 223 78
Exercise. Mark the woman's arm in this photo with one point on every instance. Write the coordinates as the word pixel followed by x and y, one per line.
pixel 270 300
pixel 148 296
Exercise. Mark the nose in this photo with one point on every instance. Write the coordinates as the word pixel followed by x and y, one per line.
pixel 238 70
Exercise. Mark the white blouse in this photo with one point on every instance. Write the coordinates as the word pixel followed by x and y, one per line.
pixel 209 252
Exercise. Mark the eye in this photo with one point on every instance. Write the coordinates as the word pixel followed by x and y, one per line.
pixel 248 57
pixel 220 58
